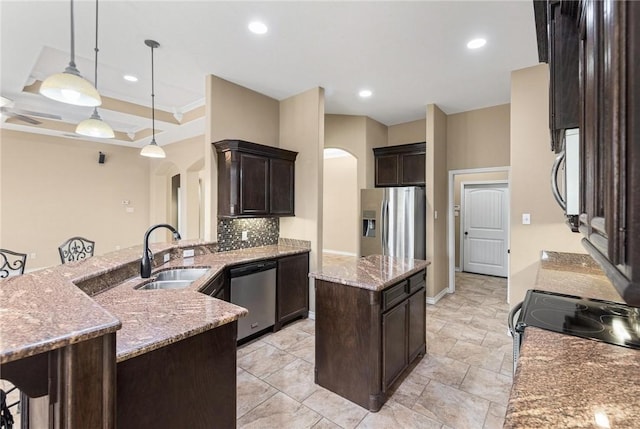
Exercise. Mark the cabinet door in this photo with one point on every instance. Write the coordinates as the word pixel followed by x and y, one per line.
pixel 413 169
pixel 417 324
pixel 387 170
pixel 292 296
pixel 281 187
pixel 394 343
pixel 254 185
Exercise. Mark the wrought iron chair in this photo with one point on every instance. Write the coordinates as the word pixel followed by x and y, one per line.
pixel 76 249
pixel 11 263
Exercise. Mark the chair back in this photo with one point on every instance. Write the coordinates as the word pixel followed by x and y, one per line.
pixel 76 249
pixel 11 263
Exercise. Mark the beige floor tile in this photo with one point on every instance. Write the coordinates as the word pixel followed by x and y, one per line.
pixel 305 349
pixel 442 369
pixel 476 355
pixel 497 339
pixel 393 416
pixel 438 345
pixel 265 361
pixel 495 416
pixel 325 423
pixel 451 406
pixel 295 380
pixel 306 325
pixel 478 310
pixel 251 392
pixel 279 412
pixel 449 314
pixel 409 389
pixel 434 324
pixel 337 409
pixel 285 338
pixel 486 384
pixel 463 331
pixel 251 347
pixel 507 365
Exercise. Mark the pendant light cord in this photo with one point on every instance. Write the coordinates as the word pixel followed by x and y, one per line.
pixel 96 49
pixel 153 105
pixel 72 61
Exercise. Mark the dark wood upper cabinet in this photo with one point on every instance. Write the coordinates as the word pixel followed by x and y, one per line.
pixel 557 32
pixel 608 97
pixel 255 180
pixel 402 165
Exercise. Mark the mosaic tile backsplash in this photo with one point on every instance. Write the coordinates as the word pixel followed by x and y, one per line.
pixel 260 232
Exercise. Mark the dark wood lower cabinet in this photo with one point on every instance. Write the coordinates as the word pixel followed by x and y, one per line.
pixel 292 289
pixel 188 384
pixel 365 340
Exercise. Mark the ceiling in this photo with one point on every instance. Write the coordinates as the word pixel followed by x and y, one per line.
pixel 409 54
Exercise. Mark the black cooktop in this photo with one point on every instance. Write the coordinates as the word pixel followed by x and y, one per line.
pixel 595 319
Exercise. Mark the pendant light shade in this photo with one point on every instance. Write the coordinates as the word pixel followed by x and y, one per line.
pixel 95 126
pixel 152 150
pixel 69 86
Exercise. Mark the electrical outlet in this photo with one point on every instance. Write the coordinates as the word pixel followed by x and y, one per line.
pixel 526 218
pixel 188 253
pixel 245 235
pixel 167 257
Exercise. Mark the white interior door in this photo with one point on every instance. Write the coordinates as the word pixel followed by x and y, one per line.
pixel 485 228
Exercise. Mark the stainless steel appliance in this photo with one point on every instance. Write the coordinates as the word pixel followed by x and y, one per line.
pixel 253 286
pixel 566 188
pixel 393 222
pixel 595 319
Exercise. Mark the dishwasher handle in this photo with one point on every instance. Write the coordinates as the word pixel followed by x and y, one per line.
pixel 247 269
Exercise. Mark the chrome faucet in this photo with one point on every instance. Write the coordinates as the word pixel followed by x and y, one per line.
pixel 147 256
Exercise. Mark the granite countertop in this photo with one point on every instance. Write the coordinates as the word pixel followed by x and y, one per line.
pixel 49 309
pixel 565 381
pixel 374 272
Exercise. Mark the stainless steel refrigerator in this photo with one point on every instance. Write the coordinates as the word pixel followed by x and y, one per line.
pixel 393 222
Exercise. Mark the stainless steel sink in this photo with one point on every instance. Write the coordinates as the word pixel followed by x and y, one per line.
pixel 176 278
pixel 189 274
pixel 166 284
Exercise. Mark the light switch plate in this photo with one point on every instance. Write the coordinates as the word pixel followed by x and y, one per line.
pixel 526 218
pixel 187 253
pixel 167 257
pixel 245 235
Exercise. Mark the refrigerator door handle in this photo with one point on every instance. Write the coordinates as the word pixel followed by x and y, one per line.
pixel 384 210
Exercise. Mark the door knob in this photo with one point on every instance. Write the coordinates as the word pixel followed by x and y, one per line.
pixel 466 233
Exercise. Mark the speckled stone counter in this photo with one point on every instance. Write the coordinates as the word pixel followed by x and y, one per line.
pixel 49 309
pixel 563 381
pixel 374 272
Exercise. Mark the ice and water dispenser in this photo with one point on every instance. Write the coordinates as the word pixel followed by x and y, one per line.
pixel 369 223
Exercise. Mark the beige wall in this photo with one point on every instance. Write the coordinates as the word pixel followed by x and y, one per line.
pixel 531 162
pixel 302 130
pixel 341 197
pixel 479 138
pixel 457 181
pixel 408 132
pixel 377 136
pixel 233 112
pixel 436 190
pixel 349 133
pixel 53 188
pixel 185 158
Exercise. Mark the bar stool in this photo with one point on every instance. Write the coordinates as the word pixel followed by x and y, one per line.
pixel 76 249
pixel 11 263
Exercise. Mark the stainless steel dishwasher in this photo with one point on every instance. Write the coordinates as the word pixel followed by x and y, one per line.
pixel 253 286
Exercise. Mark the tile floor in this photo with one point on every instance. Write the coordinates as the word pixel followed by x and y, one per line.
pixel 462 383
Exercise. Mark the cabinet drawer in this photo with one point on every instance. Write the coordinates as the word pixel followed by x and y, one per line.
pixel 416 282
pixel 394 295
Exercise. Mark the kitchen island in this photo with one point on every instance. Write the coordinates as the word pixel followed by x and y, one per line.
pixel 563 381
pixel 177 345
pixel 370 325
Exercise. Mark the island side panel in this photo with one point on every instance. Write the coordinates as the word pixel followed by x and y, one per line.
pixel 188 384
pixel 348 349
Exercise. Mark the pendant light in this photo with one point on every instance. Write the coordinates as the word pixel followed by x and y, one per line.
pixel 95 126
pixel 152 150
pixel 69 86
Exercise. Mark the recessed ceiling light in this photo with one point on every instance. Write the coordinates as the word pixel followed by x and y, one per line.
pixel 476 43
pixel 257 27
pixel 130 78
pixel 365 93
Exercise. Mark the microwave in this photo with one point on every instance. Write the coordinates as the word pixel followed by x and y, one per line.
pixel 565 177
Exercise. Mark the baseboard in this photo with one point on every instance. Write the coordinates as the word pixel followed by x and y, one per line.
pixel 438 297
pixel 338 252
pixel 312 315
